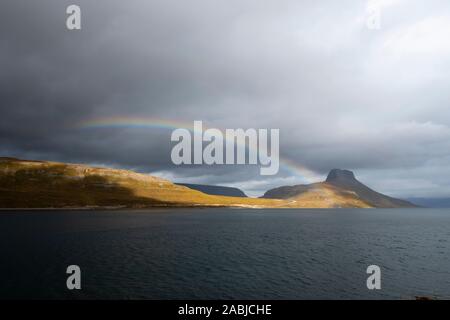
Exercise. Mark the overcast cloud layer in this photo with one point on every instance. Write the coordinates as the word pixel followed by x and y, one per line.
pixel 372 101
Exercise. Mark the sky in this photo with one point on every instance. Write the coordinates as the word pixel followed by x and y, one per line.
pixel 374 101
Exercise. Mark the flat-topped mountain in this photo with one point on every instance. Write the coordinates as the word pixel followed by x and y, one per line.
pixel 215 190
pixel 346 180
pixel 341 176
pixel 341 188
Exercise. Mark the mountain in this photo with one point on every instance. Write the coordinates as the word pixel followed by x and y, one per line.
pixel 43 184
pixel 215 190
pixel 431 202
pixel 340 189
pixel 346 180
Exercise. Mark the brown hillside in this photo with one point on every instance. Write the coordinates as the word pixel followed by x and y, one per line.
pixel 41 184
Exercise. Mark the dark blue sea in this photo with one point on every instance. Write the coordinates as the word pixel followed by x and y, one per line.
pixel 225 253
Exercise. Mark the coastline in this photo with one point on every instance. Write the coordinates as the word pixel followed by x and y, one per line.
pixel 117 208
pixel 121 208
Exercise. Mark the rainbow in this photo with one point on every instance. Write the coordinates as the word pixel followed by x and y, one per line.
pixel 134 122
pixel 292 167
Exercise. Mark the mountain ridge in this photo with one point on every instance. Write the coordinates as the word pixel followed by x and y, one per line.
pixel 45 184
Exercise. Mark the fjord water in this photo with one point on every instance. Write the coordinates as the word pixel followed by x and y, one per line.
pixel 225 253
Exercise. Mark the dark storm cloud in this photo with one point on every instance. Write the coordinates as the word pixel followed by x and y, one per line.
pixel 342 95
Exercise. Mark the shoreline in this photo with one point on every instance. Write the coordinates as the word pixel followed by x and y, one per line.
pixel 117 208
pixel 122 208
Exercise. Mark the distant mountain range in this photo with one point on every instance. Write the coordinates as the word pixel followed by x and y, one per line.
pixel 431 202
pixel 42 184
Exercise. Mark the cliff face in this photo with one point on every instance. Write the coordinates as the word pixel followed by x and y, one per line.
pixel 340 189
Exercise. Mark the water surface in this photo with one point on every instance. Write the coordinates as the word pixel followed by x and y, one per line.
pixel 225 253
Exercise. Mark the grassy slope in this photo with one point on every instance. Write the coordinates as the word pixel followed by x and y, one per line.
pixel 324 195
pixel 36 184
pixel 39 184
